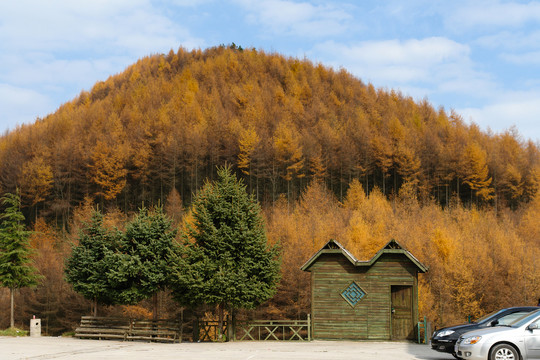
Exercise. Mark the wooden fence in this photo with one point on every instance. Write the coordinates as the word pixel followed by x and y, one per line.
pixel 284 330
pixel 208 330
pixel 129 329
pixel 424 331
pixel 196 331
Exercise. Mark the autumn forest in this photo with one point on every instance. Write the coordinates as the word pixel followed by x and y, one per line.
pixel 325 154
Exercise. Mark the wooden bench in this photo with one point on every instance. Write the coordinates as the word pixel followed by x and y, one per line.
pixel 103 328
pixel 155 330
pixel 129 329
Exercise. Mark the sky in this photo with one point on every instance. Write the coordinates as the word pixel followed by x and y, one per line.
pixel 479 58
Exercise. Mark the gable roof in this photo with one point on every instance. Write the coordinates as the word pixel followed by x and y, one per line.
pixel 392 247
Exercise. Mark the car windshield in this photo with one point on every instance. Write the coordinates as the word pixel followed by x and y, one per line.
pixel 525 319
pixel 487 317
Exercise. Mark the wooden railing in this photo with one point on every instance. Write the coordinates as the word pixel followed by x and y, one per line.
pixel 129 329
pixel 262 330
pixel 155 330
pixel 203 330
pixel 424 331
pixel 208 330
pixel 103 328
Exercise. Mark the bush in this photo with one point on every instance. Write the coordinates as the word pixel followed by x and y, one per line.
pixel 13 332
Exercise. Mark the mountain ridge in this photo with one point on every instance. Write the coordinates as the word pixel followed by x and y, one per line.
pixel 168 120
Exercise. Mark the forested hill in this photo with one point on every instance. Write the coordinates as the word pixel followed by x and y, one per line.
pixel 386 167
pixel 168 120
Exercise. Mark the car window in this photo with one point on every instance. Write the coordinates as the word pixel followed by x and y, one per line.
pixel 510 318
pixel 525 319
pixel 486 317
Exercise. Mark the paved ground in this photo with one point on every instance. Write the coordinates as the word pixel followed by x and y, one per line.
pixel 70 348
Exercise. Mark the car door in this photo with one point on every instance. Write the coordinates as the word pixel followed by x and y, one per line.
pixel 532 342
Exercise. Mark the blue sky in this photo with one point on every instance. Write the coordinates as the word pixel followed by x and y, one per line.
pixel 480 58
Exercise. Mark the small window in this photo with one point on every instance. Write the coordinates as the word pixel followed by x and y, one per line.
pixel 353 294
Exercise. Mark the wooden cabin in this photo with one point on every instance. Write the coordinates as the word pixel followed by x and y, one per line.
pixel 364 300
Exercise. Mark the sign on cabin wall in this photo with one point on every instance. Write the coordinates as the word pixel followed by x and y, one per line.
pixel 364 300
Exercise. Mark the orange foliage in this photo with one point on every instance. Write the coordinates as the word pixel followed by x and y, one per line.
pixel 168 120
pixel 36 180
pixel 136 312
pixel 477 260
pixel 108 170
pixel 463 201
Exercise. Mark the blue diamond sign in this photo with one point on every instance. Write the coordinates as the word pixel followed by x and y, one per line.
pixel 353 294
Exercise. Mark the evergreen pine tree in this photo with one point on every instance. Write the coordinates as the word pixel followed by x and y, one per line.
pixel 88 267
pixel 143 260
pixel 16 268
pixel 225 260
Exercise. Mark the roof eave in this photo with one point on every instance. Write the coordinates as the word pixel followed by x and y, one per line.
pixel 389 248
pixel 339 250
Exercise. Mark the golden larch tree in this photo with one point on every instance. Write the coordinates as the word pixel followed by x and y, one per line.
pixel 476 172
pixel 36 180
pixel 108 169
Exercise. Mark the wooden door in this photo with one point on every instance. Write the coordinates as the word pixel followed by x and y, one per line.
pixel 402 310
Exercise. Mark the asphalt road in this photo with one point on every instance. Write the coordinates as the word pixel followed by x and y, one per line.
pixel 38 348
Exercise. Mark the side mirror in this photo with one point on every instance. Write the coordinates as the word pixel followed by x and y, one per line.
pixel 494 323
pixel 534 326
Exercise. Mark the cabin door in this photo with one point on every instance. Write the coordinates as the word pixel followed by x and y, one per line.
pixel 402 312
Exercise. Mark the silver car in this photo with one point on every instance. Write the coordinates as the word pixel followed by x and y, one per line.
pixel 517 340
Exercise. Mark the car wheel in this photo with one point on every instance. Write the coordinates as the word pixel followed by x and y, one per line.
pixel 504 352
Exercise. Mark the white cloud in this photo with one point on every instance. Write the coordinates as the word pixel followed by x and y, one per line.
pixel 435 61
pixel 103 26
pixel 184 3
pixel 422 53
pixel 301 19
pixel 61 47
pixel 528 58
pixel 494 14
pixel 21 105
pixel 519 109
pixel 516 40
pixel 47 72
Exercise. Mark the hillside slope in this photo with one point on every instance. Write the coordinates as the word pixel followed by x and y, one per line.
pixel 326 155
pixel 168 120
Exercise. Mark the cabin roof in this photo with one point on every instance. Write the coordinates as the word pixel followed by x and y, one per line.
pixel 392 247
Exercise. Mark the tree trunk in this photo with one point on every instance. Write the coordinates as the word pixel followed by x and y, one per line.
pixel 12 313
pixel 220 322
pixel 155 306
pixel 231 326
pixel 95 307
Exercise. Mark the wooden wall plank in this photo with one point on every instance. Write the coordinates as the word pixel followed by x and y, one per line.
pixel 334 318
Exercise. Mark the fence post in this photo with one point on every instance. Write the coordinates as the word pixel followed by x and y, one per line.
pixel 419 326
pixel 424 325
pixel 229 328
pixel 309 327
pixel 196 329
pixel 425 331
pixel 232 327
pixel 181 324
pixel 428 331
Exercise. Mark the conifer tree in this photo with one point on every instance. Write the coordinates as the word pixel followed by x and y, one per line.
pixel 143 260
pixel 88 267
pixel 476 172
pixel 16 268
pixel 226 260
